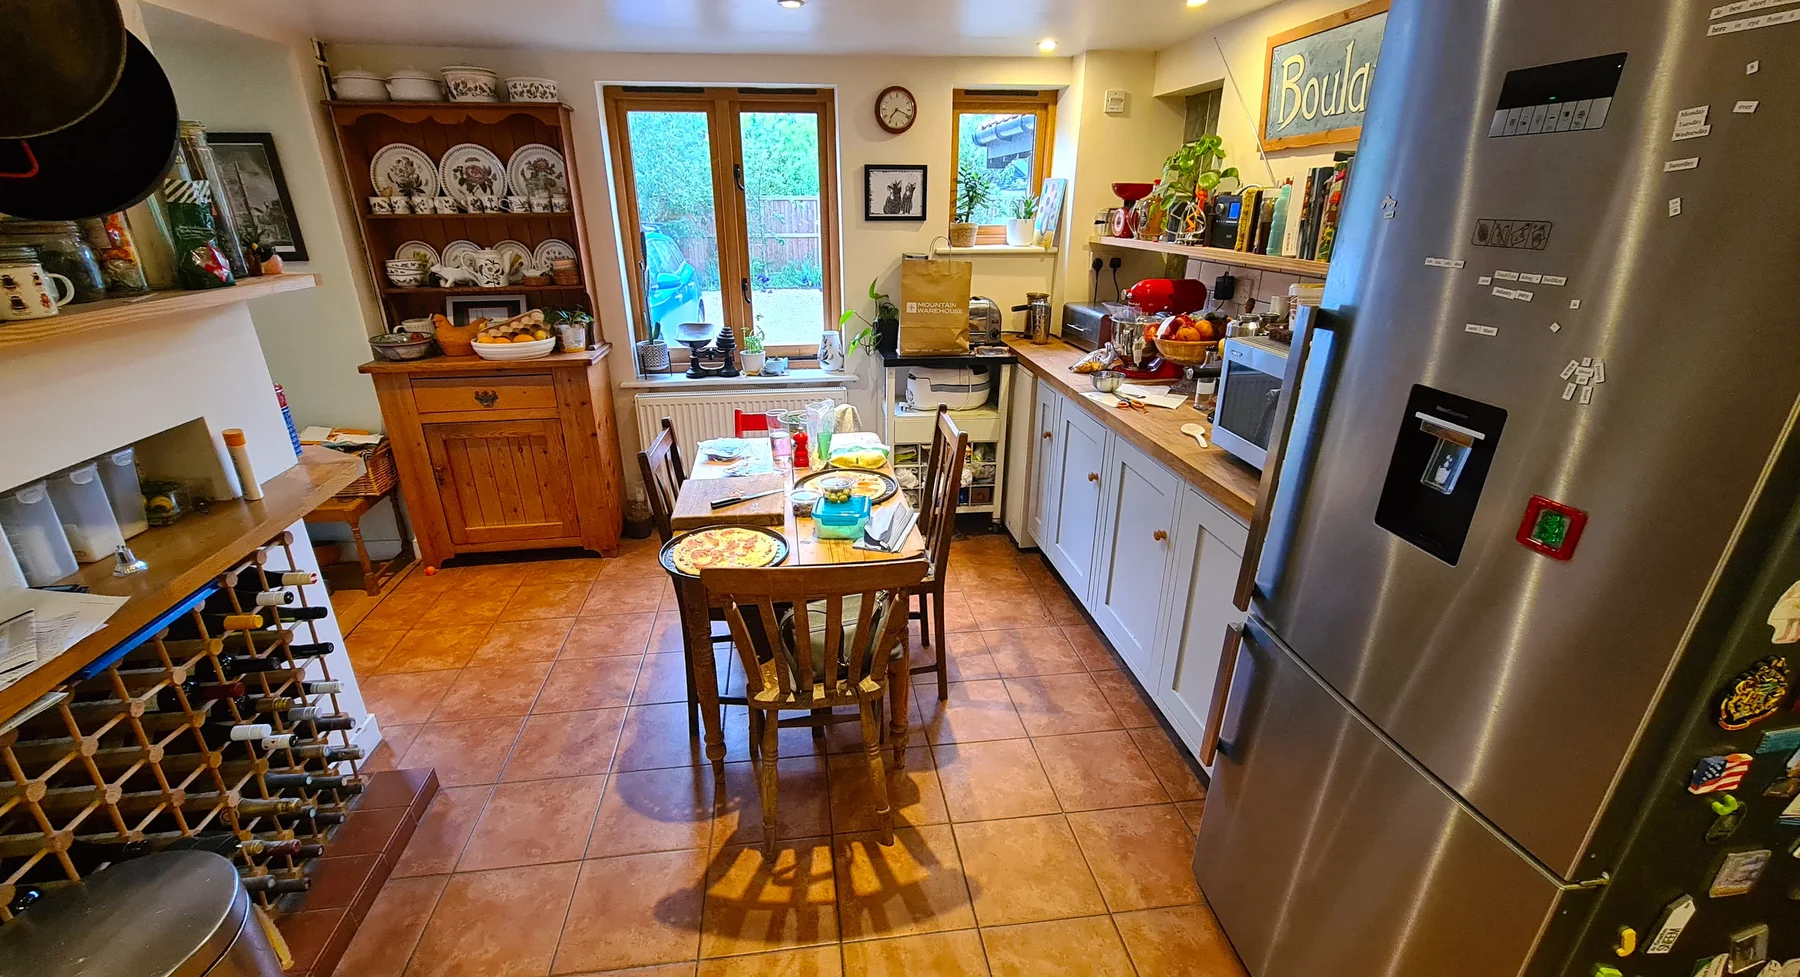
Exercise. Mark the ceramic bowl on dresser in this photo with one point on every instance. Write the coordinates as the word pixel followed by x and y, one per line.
pixel 470 83
pixel 531 89
pixel 406 272
pixel 359 86
pixel 412 85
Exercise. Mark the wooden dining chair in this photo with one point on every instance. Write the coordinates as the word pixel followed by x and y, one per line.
pixel 849 609
pixel 937 523
pixel 660 465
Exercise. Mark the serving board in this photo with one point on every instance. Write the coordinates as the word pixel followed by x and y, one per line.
pixel 693 509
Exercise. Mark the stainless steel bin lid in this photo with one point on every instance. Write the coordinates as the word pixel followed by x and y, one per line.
pixel 172 914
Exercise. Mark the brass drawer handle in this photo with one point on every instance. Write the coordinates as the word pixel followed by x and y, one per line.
pixel 487 398
pixel 1159 535
pixel 1093 476
pixel 1046 435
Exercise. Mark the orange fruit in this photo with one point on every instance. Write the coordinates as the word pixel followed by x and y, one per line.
pixel 523 338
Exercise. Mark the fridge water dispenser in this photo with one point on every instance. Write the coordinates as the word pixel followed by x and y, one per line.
pixel 1441 459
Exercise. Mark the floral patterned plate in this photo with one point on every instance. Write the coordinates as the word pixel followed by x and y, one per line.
pixel 402 170
pixel 456 253
pixel 537 170
pixel 553 250
pixel 417 251
pixel 469 170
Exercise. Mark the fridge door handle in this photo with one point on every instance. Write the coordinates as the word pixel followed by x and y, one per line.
pixel 1215 712
pixel 1306 319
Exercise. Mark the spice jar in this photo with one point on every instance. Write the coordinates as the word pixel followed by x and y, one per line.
pixel 61 250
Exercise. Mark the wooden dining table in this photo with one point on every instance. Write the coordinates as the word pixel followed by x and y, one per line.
pixel 804 549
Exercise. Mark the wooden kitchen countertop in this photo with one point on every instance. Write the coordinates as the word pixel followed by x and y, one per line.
pixel 1215 472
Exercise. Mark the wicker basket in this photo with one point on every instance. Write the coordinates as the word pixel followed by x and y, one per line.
pixel 381 475
pixel 1184 354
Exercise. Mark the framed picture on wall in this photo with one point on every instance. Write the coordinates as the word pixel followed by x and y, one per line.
pixel 893 193
pixel 258 192
pixel 464 309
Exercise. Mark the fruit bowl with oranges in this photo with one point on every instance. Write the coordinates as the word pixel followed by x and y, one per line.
pixel 1185 340
pixel 522 337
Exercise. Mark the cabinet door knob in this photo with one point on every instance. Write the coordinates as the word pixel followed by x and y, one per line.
pixel 1046 435
pixel 1093 476
pixel 487 398
pixel 1159 535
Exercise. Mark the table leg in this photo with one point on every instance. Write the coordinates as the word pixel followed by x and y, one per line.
pixel 696 635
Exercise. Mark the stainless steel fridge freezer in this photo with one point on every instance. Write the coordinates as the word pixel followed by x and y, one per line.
pixel 1530 425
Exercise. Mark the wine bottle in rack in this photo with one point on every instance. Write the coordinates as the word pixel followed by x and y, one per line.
pixel 289 848
pixel 332 723
pixel 344 786
pixel 197 692
pixel 289 781
pixel 326 752
pixel 270 885
pixel 251 597
pixel 246 579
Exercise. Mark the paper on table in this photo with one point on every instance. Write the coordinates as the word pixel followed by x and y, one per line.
pixel 62 619
pixel 1152 396
pixel 758 459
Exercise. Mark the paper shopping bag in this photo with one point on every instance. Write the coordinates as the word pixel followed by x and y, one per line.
pixel 934 306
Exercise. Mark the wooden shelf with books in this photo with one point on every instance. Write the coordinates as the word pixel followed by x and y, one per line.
pixel 1223 256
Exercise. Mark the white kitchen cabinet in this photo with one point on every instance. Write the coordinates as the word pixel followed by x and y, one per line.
pixel 1137 547
pixel 1072 515
pixel 1209 547
pixel 1046 459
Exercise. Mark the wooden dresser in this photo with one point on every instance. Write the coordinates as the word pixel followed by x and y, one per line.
pixel 505 455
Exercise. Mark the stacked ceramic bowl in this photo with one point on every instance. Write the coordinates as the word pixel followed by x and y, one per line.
pixel 406 272
pixel 530 89
pixel 413 85
pixel 471 83
pixel 359 86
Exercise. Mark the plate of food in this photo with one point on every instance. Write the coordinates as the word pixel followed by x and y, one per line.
pixel 875 486
pixel 735 547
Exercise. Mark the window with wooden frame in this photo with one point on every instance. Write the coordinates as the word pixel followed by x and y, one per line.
pixel 1006 135
pixel 728 205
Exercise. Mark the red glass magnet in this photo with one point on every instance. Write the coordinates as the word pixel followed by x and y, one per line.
pixel 1551 528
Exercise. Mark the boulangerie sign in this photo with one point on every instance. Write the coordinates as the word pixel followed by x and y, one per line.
pixel 934 306
pixel 1317 77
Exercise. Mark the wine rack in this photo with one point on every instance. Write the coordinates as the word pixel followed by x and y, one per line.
pixel 213 728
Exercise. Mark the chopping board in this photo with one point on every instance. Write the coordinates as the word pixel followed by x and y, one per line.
pixel 693 508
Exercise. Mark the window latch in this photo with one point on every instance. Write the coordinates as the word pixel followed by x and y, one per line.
pixel 744 283
pixel 737 171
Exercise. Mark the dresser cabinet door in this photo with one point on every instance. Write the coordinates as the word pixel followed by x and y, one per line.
pixel 502 481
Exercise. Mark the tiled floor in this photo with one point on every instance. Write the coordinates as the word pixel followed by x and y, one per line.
pixel 1046 821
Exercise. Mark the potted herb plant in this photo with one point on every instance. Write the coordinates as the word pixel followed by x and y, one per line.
pixel 1021 231
pixel 973 188
pixel 1193 167
pixel 752 357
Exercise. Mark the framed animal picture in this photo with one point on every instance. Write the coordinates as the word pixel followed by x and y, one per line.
pixel 894 193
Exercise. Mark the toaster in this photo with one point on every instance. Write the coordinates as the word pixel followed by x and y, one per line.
pixel 985 321
pixel 1086 325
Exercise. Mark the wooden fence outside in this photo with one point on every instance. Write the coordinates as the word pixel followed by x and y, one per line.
pixel 784 232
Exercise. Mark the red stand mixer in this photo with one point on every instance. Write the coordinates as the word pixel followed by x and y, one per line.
pixel 1150 300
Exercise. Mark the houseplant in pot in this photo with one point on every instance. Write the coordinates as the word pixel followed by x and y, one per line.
pixel 1187 173
pixel 753 355
pixel 881 335
pixel 973 188
pixel 653 353
pixel 1021 231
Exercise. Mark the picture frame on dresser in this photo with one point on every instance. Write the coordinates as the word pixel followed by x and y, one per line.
pixel 464 309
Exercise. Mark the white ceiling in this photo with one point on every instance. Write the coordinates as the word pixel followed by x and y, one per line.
pixel 910 27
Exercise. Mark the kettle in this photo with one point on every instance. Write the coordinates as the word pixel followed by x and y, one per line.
pixel 1037 316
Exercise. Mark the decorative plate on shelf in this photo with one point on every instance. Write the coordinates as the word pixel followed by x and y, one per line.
pixel 417 251
pixel 553 250
pixel 456 253
pixel 401 170
pixel 515 256
pixel 746 547
pixel 537 169
pixel 468 170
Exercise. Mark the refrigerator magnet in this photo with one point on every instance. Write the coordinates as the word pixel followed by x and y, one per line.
pixel 1784 788
pixel 1726 826
pixel 1738 873
pixel 1716 773
pixel 1784 617
pixel 1779 741
pixel 1668 929
pixel 1710 966
pixel 1749 948
pixel 1755 694
pixel 1790 815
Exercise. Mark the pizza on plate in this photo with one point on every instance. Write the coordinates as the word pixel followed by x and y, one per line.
pixel 726 546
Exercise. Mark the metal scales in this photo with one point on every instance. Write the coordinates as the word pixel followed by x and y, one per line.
pixel 713 349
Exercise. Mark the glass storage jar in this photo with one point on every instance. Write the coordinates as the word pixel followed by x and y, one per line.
pixel 61 249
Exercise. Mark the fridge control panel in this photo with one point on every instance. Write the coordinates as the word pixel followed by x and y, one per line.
pixel 1564 97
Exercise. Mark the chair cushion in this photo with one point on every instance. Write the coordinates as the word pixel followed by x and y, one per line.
pixel 816 615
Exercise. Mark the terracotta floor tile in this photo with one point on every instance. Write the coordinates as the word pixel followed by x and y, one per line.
pixel 407 698
pixel 471 751
pixel 609 636
pixel 385 940
pixel 1032 651
pixel 438 841
pixel 983 574
pixel 821 961
pixel 974 711
pixel 577 570
pixel 657 736
pixel 957 615
pixel 795 740
pixel 397 612
pixel 367 648
pixel 966 659
pixel 489 577
pixel 587 683
pixel 802 795
pixel 416 581
pixel 1060 605
pixel 503 923
pixel 654 810
pixel 1181 942
pixel 433 649
pixel 1026 869
pixel 1092 648
pixel 995 612
pixel 662 679
pixel 755 904
pixel 468 607
pixel 634 911
pixel 1191 812
pixel 633 562
pixel 998 779
pixel 1098 770
pixel 533 823
pixel 482 692
pixel 1088 946
pixel 913 793
pixel 537 601
pixel 1142 857
pixel 1052 704
pixel 914 885
pixel 687 969
pixel 1132 706
pixel 564 744
pixel 665 634
pixel 523 641
pixel 626 595
pixel 395 738
pixel 1170 763
pixel 956 954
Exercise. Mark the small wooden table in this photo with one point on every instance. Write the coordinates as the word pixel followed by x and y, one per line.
pixel 804 549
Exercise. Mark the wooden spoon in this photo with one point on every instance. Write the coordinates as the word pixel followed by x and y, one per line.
pixel 1197 432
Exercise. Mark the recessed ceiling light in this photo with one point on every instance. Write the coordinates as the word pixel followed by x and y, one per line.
pixel 1047 45
pixel 797 4
pixel 1196 3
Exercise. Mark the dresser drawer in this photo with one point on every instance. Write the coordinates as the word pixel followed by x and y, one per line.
pixel 443 395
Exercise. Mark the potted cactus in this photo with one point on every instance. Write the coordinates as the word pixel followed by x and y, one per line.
pixel 653 353
pixel 1021 231
pixel 973 188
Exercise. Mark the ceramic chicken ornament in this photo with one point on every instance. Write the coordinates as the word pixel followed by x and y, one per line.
pixel 1784 617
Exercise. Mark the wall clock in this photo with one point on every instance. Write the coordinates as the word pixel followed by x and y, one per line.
pixel 895 109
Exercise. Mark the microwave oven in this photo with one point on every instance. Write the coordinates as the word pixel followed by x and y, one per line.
pixel 1251 373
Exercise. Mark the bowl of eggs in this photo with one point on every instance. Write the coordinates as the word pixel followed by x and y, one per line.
pixel 519 338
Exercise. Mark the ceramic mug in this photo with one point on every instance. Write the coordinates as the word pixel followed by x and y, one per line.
pixel 474 204
pixel 421 204
pixel 24 295
pixel 381 205
pixel 489 267
pixel 559 203
pixel 540 203
pixel 517 205
pixel 446 204
pixel 401 205
pixel 490 203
